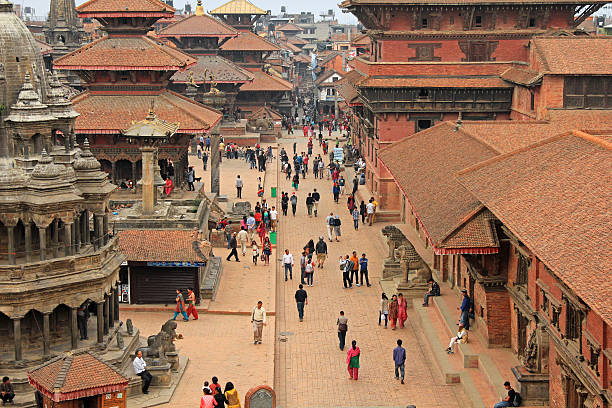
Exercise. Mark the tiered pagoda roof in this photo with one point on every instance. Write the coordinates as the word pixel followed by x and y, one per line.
pixel 265 82
pixel 238 7
pixel 221 69
pixel 248 41
pixel 121 8
pixel 198 25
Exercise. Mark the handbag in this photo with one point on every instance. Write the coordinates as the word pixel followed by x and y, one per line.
pixel 342 327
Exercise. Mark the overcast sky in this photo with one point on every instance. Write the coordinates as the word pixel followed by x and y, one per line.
pixel 316 6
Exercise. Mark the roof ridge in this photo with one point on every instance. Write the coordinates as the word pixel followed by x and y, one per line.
pixel 80 49
pixel 210 125
pixel 63 372
pixel 593 139
pixel 159 3
pixel 169 50
pixel 471 215
pixel 216 20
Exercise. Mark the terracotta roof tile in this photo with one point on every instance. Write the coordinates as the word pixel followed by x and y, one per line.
pixel 270 113
pixel 432 82
pixel 266 82
pixel 125 53
pixel 45 49
pixel 326 75
pixel 555 196
pixel 69 377
pixel 289 27
pixel 346 86
pixel 575 55
pixel 160 246
pixel 441 204
pixel 198 26
pixel 112 113
pixel 297 41
pixel 361 40
pixel 239 7
pixel 124 6
pixel 223 70
pixel 477 232
pixel 248 41
pixel 521 76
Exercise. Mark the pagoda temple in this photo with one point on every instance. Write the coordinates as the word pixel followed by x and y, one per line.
pixel 437 61
pixel 124 74
pixel 249 51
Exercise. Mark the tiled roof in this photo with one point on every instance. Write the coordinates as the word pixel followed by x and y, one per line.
pixel 302 58
pixel 288 46
pixel 125 54
pixel 44 48
pixel 349 3
pixel 326 75
pixel 521 76
pixel 239 7
pixel 477 232
pixel 574 55
pixel 124 7
pixel 555 196
pixel 198 26
pixel 432 82
pixel 361 40
pixel 270 113
pixel 289 27
pixel 222 70
pixel 160 246
pixel 70 377
pixel 111 113
pixel 346 86
pixel 266 82
pixel 248 41
pixel 424 165
pixel 297 41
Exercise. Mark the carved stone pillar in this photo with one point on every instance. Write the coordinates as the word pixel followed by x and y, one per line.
pixel 11 244
pixel 28 241
pixel 106 314
pixel 46 335
pixel 42 236
pixel 100 236
pixel 67 238
pixel 116 299
pixel 74 328
pixel 76 231
pixel 100 321
pixel 214 162
pixel 114 173
pixel 17 338
pixel 55 238
pixel 105 228
pixel 111 309
pixel 86 227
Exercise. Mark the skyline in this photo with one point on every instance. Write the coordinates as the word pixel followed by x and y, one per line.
pixel 316 6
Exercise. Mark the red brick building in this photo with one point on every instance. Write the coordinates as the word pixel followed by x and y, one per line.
pixel 125 73
pixel 432 62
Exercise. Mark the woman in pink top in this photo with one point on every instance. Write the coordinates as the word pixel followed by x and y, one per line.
pixel 207 400
pixel 402 314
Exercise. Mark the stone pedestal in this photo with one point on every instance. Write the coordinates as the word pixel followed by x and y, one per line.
pixel 412 290
pixel 148 171
pixel 173 360
pixel 533 387
pixel 391 268
pixel 161 375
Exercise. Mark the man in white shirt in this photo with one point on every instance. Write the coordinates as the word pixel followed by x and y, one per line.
pixel 288 264
pixel 251 226
pixel 258 318
pixel 140 368
pixel 329 221
pixel 243 238
pixel 238 186
pixel 370 212
pixel 273 218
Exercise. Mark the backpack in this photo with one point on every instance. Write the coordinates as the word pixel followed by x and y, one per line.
pixel 517 400
pixel 337 222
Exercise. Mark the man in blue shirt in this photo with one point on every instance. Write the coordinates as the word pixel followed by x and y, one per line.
pixel 363 262
pixel 465 310
pixel 399 357
pixel 251 226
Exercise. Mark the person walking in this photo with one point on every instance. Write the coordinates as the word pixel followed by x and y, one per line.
pixel 303 262
pixel 288 264
pixel 321 251
pixel 261 231
pixel 233 246
pixel 296 179
pixel 273 218
pixel 293 201
pixel 355 185
pixel 285 203
pixel 309 204
pixel 301 299
pixel 191 302
pixel 330 221
pixel 231 395
pixel 363 211
pixel 342 323
pixel 255 250
pixel 336 192
pixel 238 187
pixel 337 224
pixel 399 358
pixel 393 311
pixel 267 250
pixel 384 309
pixel 363 271
pixel 352 361
pixel 315 201
pixel 180 306
pixel 402 313
pixel 355 270
pixel 258 319
pixel 309 272
pixel 190 179
pixel 140 368
pixel 355 215
pixel 346 266
pixel 207 400
pixel 204 160
pixel 243 238
pixel 370 212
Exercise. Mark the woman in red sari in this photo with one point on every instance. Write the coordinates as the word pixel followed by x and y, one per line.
pixel 168 187
pixel 352 361
pixel 261 231
pixel 402 314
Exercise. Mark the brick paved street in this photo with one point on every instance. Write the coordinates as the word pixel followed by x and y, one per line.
pixel 306 368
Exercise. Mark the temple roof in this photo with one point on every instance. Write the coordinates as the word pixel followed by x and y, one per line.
pixel 555 197
pixel 519 76
pixel 349 3
pixel 222 70
pixel 125 8
pixel 162 245
pixel 266 82
pixel 151 127
pixel 198 26
pixel 346 87
pixel 69 377
pixel 109 114
pixel 265 111
pixel 125 54
pixel 433 82
pixel 239 7
pixel 574 55
pixel 248 41
pixel 289 27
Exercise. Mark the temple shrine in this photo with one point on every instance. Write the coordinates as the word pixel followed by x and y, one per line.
pixel 125 73
pixel 439 61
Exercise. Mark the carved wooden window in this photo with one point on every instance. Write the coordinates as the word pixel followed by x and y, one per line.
pixel 545 306
pixel 573 321
pixel 477 21
pixel 531 23
pixel 522 270
pixel 424 23
pixel 595 351
pixel 425 52
pixel 556 315
pixel 587 92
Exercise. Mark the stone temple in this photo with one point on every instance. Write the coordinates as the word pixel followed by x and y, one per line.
pixel 58 260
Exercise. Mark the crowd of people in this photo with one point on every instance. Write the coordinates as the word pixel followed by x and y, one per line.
pixel 213 395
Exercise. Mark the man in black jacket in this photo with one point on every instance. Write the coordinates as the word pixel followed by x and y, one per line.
pixel 321 251
pixel 233 245
pixel 433 291
pixel 301 298
pixel 315 201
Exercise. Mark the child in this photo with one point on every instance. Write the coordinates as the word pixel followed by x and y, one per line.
pixel 255 251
